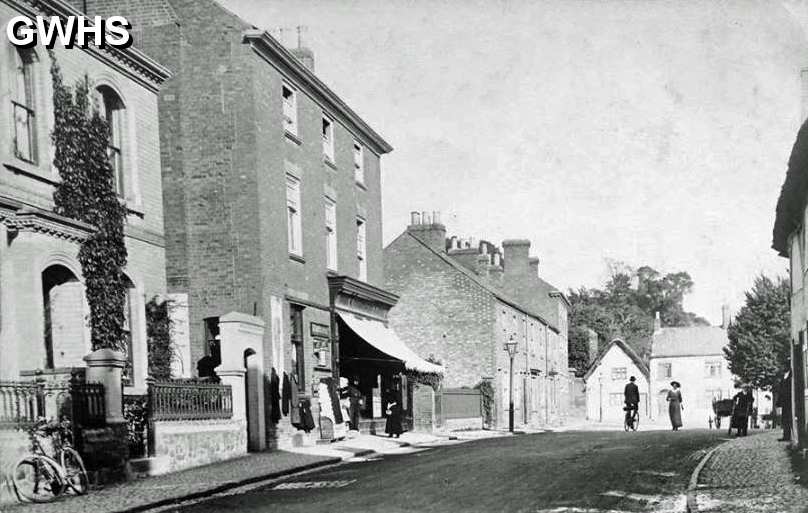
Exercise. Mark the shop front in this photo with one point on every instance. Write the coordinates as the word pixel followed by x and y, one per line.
pixel 371 357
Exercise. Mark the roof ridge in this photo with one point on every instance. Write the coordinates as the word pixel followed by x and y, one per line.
pixel 486 286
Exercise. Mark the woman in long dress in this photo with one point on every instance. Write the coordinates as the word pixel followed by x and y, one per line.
pixel 393 425
pixel 675 406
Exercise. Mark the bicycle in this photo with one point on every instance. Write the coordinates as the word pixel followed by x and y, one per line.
pixel 39 477
pixel 632 419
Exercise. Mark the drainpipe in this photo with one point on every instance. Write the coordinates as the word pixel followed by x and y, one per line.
pixel 546 374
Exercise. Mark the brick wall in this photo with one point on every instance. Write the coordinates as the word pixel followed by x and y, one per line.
pixel 189 444
pixel 440 312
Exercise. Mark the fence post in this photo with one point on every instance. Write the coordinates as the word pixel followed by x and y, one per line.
pixel 105 366
pixel 150 416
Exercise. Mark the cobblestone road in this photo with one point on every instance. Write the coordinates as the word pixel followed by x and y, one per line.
pixel 141 493
pixel 751 474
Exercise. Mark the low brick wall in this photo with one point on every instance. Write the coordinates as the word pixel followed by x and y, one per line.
pixel 191 443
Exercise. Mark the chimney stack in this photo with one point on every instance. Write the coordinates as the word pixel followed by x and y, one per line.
pixel 533 262
pixel 497 259
pixel 483 263
pixel 517 253
pixel 725 317
pixel 657 323
pixel 431 233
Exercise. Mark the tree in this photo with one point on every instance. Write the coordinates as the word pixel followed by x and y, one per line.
pixel 625 308
pixel 86 193
pixel 759 337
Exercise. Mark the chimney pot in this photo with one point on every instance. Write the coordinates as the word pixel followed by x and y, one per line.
pixel 657 322
pixel 436 217
pixel 425 218
pixel 415 218
pixel 725 317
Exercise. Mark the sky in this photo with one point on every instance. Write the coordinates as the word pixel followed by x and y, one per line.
pixel 648 132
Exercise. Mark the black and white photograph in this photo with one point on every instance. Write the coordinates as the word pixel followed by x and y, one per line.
pixel 408 256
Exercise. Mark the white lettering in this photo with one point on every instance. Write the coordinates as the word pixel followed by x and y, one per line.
pixel 118 26
pixel 20 31
pixel 49 32
pixel 96 29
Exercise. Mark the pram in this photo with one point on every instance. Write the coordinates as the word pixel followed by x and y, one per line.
pixel 722 408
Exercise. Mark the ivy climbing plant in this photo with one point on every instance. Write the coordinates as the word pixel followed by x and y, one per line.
pixel 158 329
pixel 86 193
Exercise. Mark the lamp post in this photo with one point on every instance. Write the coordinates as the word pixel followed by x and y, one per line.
pixel 510 346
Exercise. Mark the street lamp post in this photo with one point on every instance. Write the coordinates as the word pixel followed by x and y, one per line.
pixel 510 346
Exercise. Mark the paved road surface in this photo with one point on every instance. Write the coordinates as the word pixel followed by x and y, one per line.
pixel 560 472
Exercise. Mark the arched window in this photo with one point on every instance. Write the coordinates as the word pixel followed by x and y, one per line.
pixel 24 106
pixel 112 108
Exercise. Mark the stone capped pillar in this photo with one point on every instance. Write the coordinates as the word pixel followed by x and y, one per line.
pixel 242 338
pixel 105 366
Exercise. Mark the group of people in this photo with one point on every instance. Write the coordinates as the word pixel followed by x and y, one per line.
pixel 353 401
pixel 742 405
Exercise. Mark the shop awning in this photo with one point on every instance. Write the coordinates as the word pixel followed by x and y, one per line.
pixel 385 340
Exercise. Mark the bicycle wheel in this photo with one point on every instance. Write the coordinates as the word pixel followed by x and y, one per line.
pixel 635 421
pixel 75 473
pixel 37 479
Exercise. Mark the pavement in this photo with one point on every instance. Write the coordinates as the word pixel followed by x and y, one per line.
pixel 161 491
pixel 751 474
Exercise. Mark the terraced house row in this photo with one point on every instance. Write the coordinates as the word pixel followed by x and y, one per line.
pixel 253 195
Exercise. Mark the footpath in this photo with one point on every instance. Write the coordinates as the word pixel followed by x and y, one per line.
pixel 756 473
pixel 153 492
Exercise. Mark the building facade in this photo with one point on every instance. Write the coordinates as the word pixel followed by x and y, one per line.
pixel 606 380
pixel 693 356
pixel 272 192
pixel 454 305
pixel 789 240
pixel 44 309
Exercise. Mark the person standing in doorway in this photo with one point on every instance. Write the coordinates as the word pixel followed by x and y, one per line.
pixel 784 403
pixel 675 405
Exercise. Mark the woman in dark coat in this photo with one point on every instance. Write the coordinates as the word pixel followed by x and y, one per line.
pixel 675 405
pixel 393 426
pixel 741 409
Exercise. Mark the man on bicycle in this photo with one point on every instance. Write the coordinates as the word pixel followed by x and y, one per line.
pixel 632 397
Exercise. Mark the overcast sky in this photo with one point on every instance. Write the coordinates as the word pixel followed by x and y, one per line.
pixel 655 133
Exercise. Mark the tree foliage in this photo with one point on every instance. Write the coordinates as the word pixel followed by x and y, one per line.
pixel 86 193
pixel 158 332
pixel 759 338
pixel 625 308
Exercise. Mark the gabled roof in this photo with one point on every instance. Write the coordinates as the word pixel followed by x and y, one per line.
pixel 689 341
pixel 482 283
pixel 626 349
pixel 793 195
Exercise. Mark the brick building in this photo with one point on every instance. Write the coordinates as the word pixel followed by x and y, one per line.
pixel 42 302
pixel 458 302
pixel 272 194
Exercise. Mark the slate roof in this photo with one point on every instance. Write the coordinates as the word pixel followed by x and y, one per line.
pixel 793 195
pixel 689 341
pixel 626 349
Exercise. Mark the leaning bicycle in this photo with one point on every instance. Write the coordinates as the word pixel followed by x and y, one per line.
pixel 42 476
pixel 632 418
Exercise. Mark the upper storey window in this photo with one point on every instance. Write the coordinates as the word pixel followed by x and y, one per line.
pixel 359 163
pixel 328 139
pixel 112 109
pixel 289 110
pixel 23 106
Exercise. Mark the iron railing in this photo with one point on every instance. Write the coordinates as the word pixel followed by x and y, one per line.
pixel 22 403
pixel 190 401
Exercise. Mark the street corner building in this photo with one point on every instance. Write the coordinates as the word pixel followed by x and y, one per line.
pixel 693 356
pixel 605 381
pixel 789 240
pixel 43 318
pixel 461 301
pixel 273 225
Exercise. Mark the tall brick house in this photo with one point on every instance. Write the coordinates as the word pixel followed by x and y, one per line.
pixel 455 303
pixel 43 308
pixel 272 198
